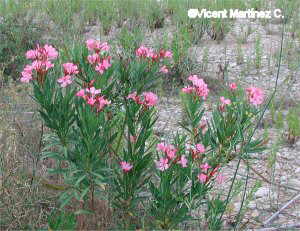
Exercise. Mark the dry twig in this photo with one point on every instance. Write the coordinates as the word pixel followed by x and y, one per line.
pixel 283 227
pixel 281 209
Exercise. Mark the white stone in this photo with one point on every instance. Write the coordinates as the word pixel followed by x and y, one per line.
pixel 262 192
pixel 283 179
pixel 252 205
pixel 255 213
pixel 266 193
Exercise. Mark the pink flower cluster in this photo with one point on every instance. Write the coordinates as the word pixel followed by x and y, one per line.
pixel 170 155
pixel 199 87
pixel 41 57
pixel 99 58
pixel 168 149
pixel 92 97
pixel 199 149
pixel 149 98
pixel 145 52
pixel 224 102
pixel 95 45
pixel 162 164
pixel 255 95
pixel 126 166
pixel 233 86
pixel 70 69
pixel 207 173
pixel 203 176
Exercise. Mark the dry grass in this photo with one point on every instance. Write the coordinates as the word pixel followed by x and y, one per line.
pixel 26 198
pixel 23 203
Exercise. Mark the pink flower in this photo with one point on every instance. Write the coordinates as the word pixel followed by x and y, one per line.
pixel 171 152
pixel 37 65
pixel 150 99
pixel 106 63
pixel 220 178
pixel 202 91
pixel 233 86
pixel 26 74
pixel 200 87
pixel 70 69
pixel 142 51
pixel 132 139
pixel 95 45
pixel 103 46
pixel 183 161
pixel 91 101
pixel 154 56
pixel 225 101
pixel 161 147
pixel 164 69
pixel 126 166
pixel 50 52
pixel 134 97
pixel 26 78
pixel 101 67
pixel 205 167
pixel 194 79
pixel 32 54
pixel 165 54
pixel 41 57
pixel 202 177
pixel 65 80
pixel 168 54
pixel 255 95
pixel 93 91
pixel 91 44
pixel 48 65
pixel 188 89
pixel 200 148
pixel 162 164
pixel 151 54
pixel 93 58
pixel 102 102
pixel 45 53
pixel 80 93
pixel 42 65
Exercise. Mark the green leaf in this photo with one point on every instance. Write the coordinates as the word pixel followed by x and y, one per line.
pixel 80 179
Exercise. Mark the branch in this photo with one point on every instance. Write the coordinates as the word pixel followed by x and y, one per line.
pixel 283 227
pixel 281 209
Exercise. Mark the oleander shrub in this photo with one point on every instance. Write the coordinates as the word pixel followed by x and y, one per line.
pixel 101 112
